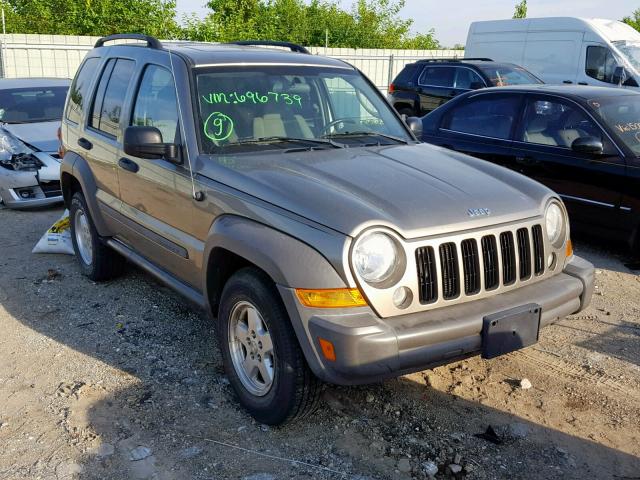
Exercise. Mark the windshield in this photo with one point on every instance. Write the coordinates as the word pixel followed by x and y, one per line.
pixel 29 105
pixel 631 51
pixel 291 107
pixel 503 75
pixel 622 115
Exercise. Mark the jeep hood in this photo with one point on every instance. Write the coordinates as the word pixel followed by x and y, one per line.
pixel 40 135
pixel 417 190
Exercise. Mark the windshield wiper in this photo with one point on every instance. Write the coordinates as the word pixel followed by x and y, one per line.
pixel 366 134
pixel 273 139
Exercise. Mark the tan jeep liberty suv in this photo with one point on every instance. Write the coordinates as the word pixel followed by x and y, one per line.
pixel 280 192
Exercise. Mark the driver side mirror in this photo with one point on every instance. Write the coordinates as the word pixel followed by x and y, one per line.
pixel 476 85
pixel 146 142
pixel 588 145
pixel 415 125
pixel 619 76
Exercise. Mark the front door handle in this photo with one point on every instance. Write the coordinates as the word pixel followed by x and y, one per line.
pixel 128 165
pixel 583 83
pixel 84 143
pixel 567 82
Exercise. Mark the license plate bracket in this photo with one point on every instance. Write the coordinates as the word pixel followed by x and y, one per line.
pixel 510 330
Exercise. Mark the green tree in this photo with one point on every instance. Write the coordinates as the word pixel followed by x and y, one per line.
pixel 91 17
pixel 521 10
pixel 369 23
pixel 633 20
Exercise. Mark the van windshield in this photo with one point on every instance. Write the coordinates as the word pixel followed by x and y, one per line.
pixel 285 107
pixel 631 50
pixel 622 115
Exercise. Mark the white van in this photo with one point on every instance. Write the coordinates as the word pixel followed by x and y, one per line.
pixel 585 51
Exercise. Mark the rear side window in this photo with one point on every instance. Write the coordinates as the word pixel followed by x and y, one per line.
pixel 110 96
pixel 156 105
pixel 600 64
pixel 486 115
pixel 80 89
pixel 437 77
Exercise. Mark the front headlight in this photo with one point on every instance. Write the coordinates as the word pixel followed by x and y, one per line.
pixel 10 146
pixel 555 224
pixel 376 257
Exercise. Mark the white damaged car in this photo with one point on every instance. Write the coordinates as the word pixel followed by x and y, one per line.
pixel 30 114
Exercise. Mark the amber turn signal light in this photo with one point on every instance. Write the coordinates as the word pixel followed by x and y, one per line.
pixel 327 349
pixel 569 251
pixel 331 298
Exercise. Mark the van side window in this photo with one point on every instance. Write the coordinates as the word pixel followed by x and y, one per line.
pixel 80 89
pixel 486 115
pixel 156 105
pixel 437 77
pixel 112 89
pixel 600 63
pixel 556 123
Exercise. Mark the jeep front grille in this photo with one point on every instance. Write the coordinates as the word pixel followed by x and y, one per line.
pixel 427 275
pixel 476 264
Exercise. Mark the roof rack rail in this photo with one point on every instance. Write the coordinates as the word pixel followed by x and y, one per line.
pixel 152 42
pixel 453 59
pixel 272 43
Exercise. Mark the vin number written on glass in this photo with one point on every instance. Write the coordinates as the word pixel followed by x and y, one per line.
pixel 252 97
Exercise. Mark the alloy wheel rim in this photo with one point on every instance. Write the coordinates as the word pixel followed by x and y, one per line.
pixel 251 348
pixel 83 237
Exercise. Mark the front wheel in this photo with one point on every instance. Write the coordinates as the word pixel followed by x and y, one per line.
pixel 261 355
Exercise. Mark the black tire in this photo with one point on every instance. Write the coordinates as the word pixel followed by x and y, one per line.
pixel 407 111
pixel 294 391
pixel 105 263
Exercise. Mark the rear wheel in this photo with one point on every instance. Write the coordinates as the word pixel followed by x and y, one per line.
pixel 97 261
pixel 261 355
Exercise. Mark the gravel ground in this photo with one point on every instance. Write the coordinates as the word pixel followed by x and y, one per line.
pixel 123 380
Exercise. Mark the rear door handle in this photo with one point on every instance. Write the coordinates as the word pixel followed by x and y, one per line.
pixel 128 165
pixel 568 82
pixel 583 83
pixel 84 143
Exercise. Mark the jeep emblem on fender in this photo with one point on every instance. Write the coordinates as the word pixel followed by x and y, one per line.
pixel 478 212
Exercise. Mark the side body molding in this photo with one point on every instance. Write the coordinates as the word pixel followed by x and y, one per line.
pixel 73 166
pixel 288 261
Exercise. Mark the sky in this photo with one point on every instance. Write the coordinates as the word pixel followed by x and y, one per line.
pixel 451 25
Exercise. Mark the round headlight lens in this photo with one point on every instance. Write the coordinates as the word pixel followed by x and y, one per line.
pixel 554 220
pixel 375 257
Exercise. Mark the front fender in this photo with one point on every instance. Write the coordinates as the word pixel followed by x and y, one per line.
pixel 288 261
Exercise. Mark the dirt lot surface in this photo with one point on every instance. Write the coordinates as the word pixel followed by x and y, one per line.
pixel 123 380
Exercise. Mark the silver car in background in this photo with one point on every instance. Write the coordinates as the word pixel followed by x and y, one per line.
pixel 30 114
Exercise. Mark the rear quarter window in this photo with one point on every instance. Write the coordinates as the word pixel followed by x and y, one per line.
pixel 79 90
pixel 405 77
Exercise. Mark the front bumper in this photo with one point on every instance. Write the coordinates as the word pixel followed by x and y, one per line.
pixel 369 349
pixel 11 199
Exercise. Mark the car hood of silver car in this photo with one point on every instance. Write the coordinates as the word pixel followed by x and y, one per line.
pixel 417 189
pixel 40 135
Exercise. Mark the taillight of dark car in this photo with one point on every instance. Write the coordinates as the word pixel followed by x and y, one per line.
pixel 392 88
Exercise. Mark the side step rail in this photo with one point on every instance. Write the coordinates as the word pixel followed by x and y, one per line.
pixel 169 280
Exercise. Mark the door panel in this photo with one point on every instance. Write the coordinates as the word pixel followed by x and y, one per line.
pixel 156 194
pixel 589 184
pixel 435 87
pixel 98 147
